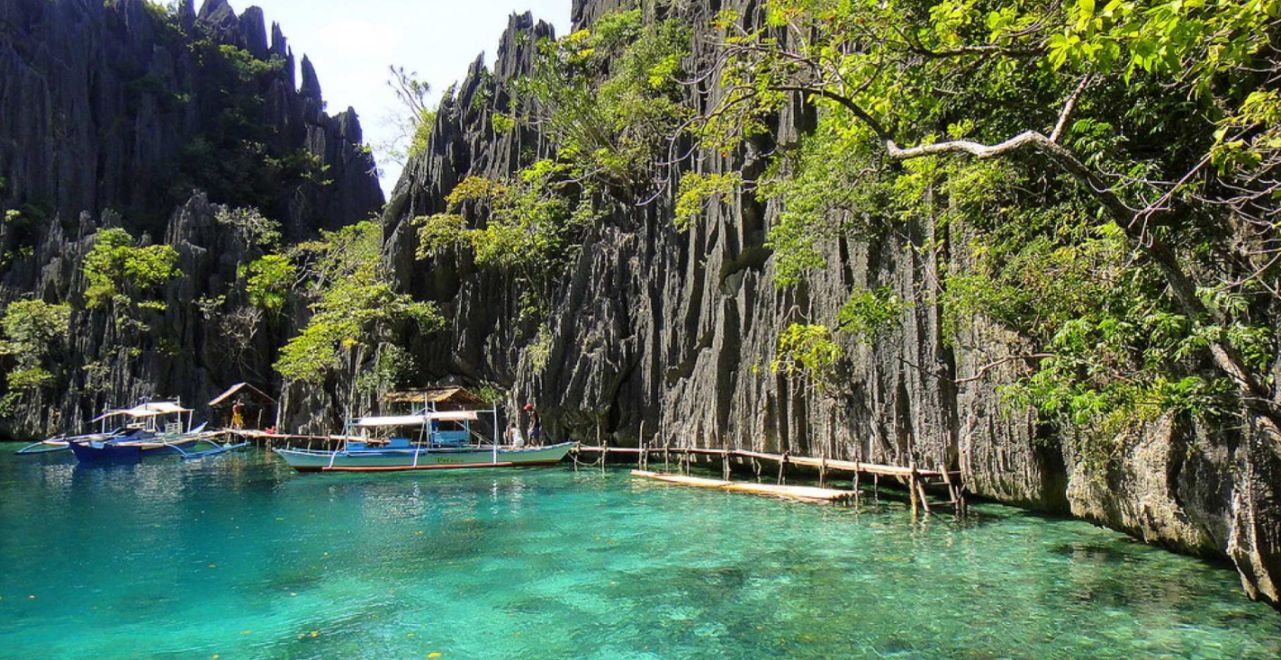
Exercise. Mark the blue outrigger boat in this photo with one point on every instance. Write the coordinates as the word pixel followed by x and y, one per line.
pixel 62 443
pixel 146 436
pixel 444 440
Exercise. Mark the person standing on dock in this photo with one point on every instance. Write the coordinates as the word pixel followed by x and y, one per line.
pixel 535 427
pixel 238 415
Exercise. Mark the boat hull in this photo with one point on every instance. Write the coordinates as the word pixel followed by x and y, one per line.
pixel 60 443
pixel 129 451
pixel 394 460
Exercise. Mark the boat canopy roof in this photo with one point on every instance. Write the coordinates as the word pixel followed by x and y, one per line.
pixel 418 420
pixel 152 409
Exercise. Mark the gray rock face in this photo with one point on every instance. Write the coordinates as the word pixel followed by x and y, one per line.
pixel 665 338
pixel 110 116
pixel 101 99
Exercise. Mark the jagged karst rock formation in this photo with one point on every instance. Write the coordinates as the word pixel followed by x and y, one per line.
pixel 115 114
pixel 664 338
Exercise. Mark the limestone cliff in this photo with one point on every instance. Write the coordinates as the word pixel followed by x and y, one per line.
pixel 665 338
pixel 119 114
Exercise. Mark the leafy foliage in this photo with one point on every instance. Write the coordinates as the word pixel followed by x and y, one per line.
pixel 34 331
pixel 1100 178
pixel 869 312
pixel 810 351
pixel 355 308
pixel 249 224
pixel 413 120
pixel 609 97
pixel 116 270
pixel 531 225
pixel 268 281
pixel 698 190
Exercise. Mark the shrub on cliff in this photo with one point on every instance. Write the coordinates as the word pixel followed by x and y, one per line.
pixel 532 226
pixel 34 333
pixel 354 311
pixel 609 98
pixel 117 270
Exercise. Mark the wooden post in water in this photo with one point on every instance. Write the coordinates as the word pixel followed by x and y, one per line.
pixel 782 467
pixel 725 463
pixel 640 444
pixel 911 487
pixel 857 493
pixel 822 471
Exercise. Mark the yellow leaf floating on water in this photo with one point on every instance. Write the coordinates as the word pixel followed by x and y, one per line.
pixel 315 633
pixel 434 654
pixel 246 632
pixel 213 566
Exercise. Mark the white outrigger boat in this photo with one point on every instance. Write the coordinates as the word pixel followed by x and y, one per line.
pixel 63 442
pixel 57 443
pixel 145 435
pixel 444 441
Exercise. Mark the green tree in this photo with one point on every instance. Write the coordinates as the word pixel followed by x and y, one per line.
pixel 414 119
pixel 1079 140
pixel 117 270
pixel 250 226
pixel 610 98
pixel 532 226
pixel 268 281
pixel 809 351
pixel 355 309
pixel 34 331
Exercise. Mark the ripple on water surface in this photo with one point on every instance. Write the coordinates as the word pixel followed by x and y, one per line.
pixel 240 557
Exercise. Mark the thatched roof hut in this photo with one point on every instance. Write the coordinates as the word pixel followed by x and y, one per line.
pixel 258 409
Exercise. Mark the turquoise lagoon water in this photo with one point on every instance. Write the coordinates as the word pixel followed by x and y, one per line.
pixel 239 557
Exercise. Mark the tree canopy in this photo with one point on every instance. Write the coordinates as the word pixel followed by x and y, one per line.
pixel 1114 165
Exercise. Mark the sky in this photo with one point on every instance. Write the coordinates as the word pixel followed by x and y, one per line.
pixel 352 42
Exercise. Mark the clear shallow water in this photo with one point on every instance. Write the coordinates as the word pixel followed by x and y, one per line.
pixel 237 556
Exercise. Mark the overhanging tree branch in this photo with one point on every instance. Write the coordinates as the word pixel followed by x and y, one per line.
pixel 1227 359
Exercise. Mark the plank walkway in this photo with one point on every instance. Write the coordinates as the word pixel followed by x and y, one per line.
pixel 916 480
pixel 830 464
pixel 801 493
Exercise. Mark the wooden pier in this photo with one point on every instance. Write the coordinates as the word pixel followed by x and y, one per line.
pixel 917 481
pixel 803 493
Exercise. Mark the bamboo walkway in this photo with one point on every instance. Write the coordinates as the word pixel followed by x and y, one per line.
pixel 803 493
pixel 916 481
